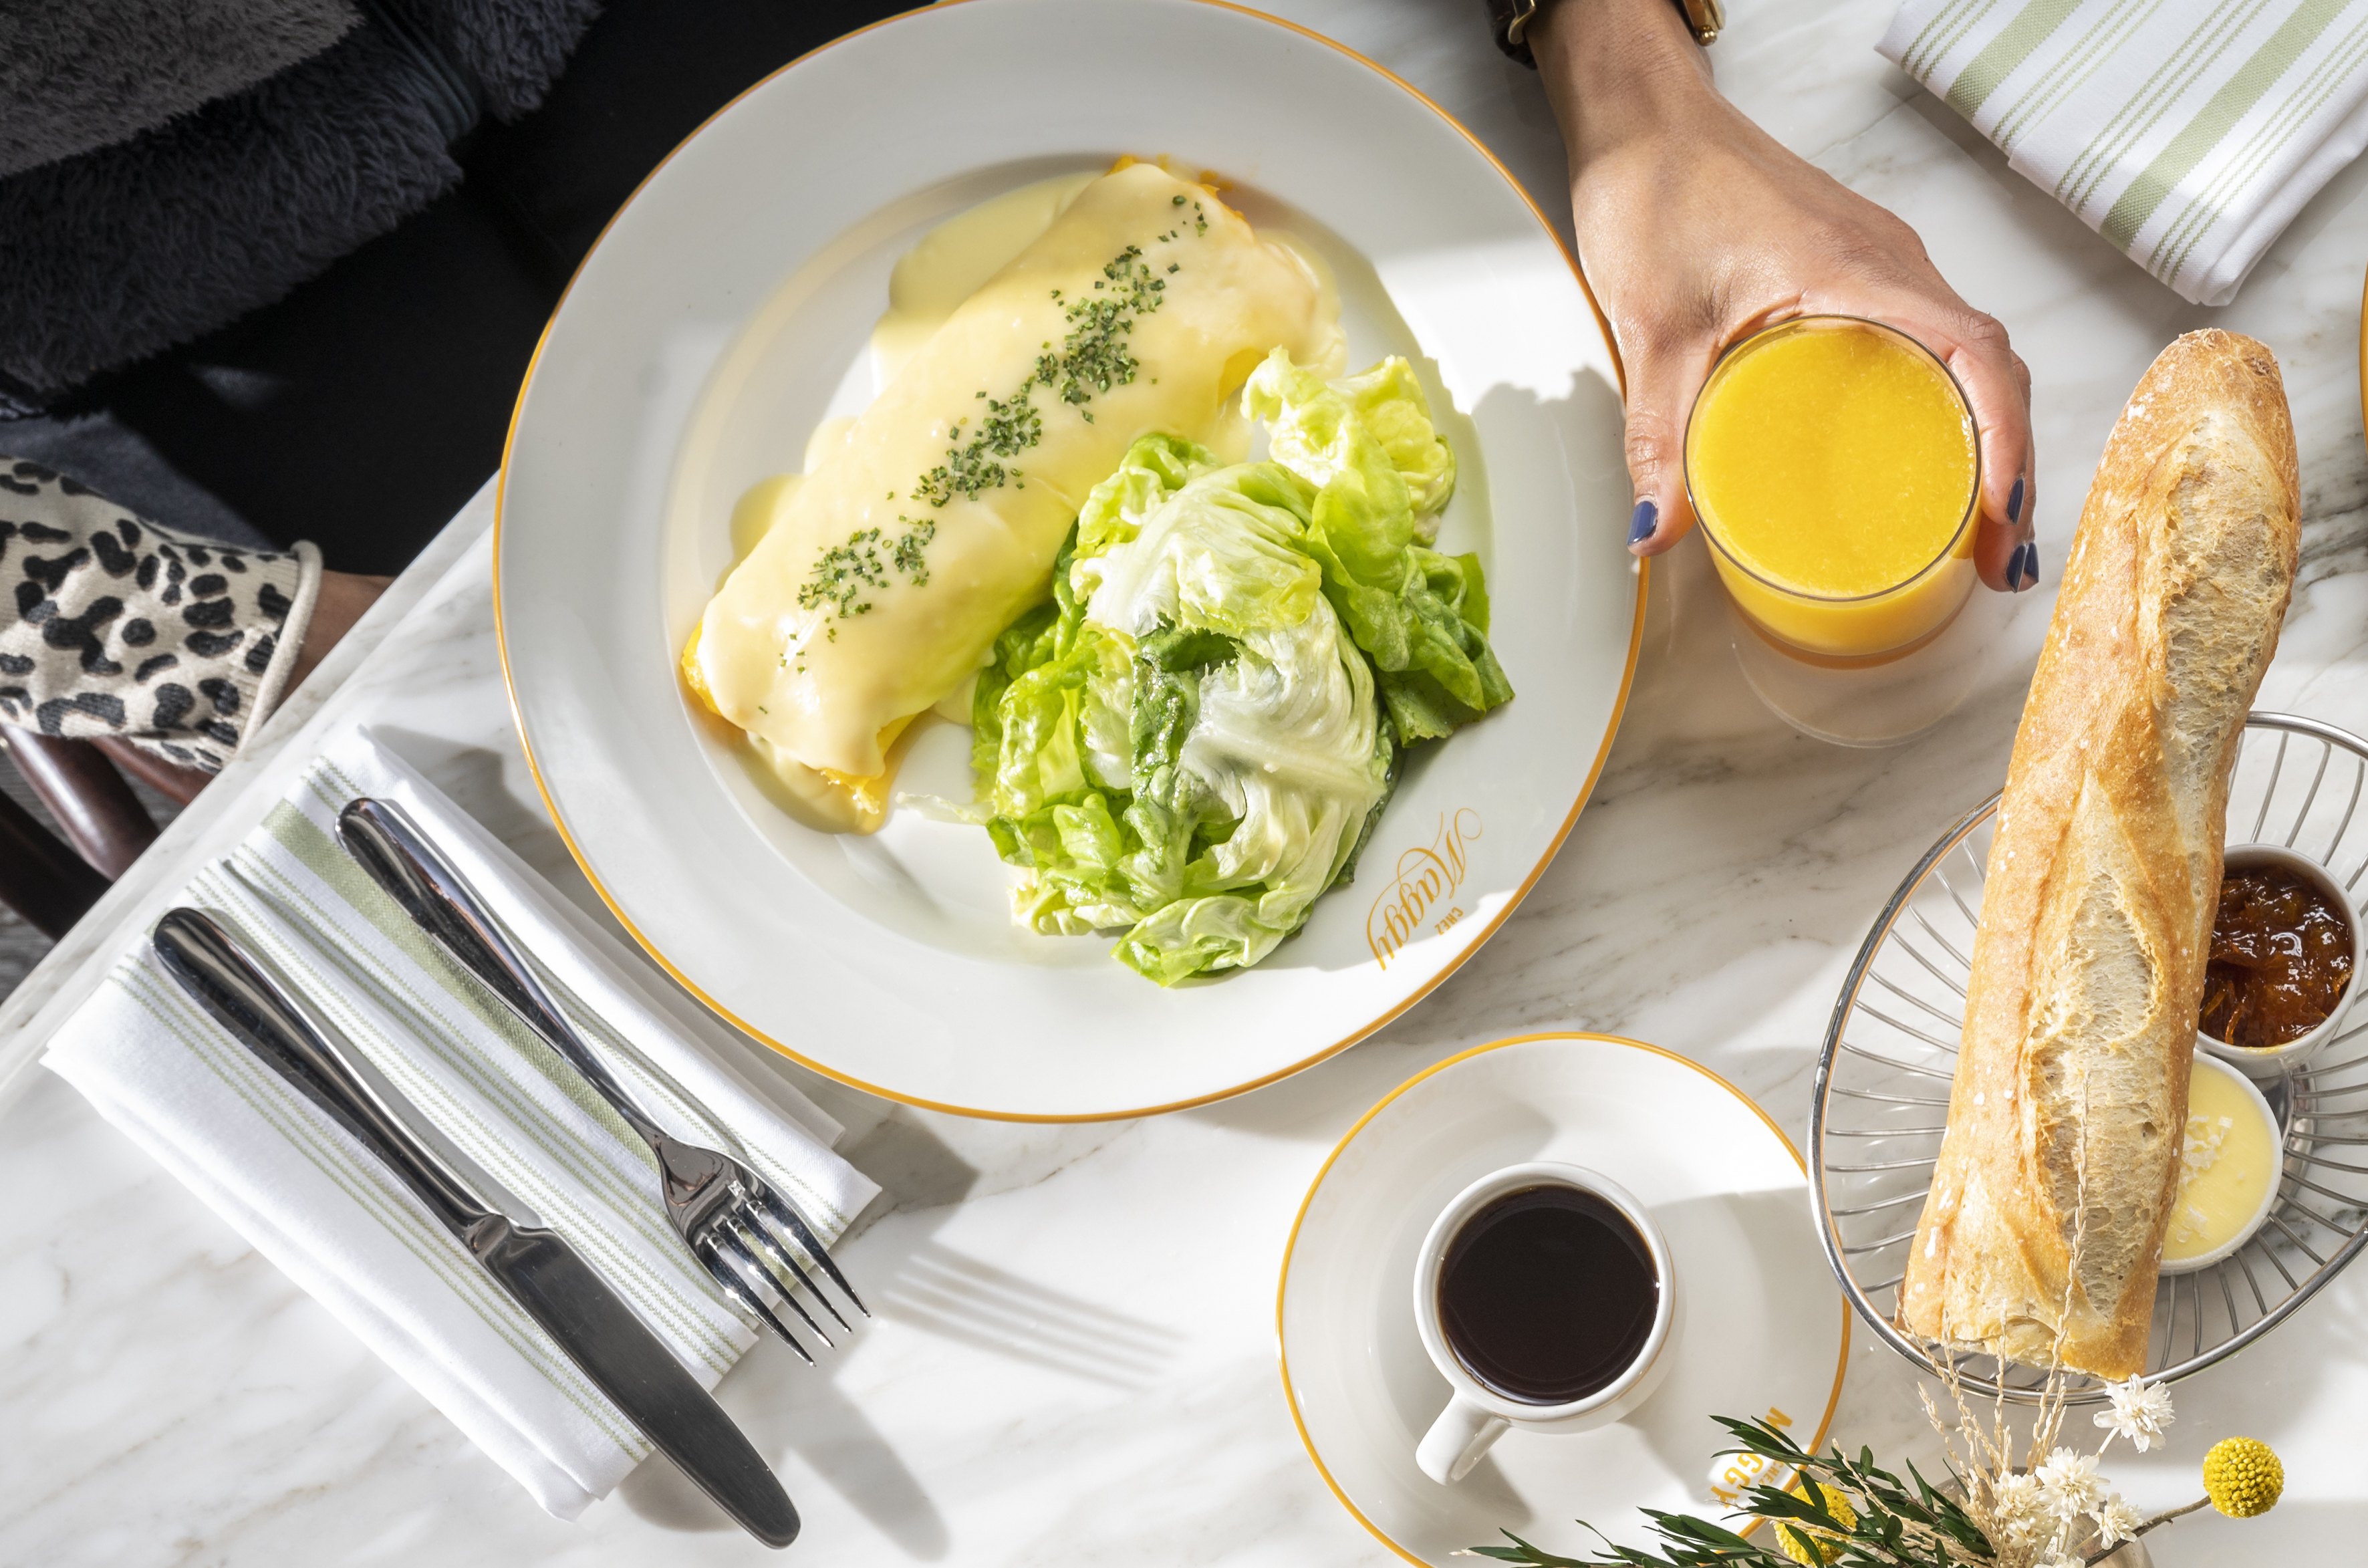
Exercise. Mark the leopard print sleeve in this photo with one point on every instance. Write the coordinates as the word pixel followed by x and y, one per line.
pixel 118 627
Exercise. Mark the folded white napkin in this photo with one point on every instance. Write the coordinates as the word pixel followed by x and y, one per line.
pixel 299 1189
pixel 2188 133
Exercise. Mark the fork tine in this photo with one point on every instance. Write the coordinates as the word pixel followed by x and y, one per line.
pixel 754 1246
pixel 785 1214
pixel 759 1225
pixel 749 1308
pixel 749 1291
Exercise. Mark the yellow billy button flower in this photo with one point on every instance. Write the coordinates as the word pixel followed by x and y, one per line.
pixel 2242 1477
pixel 1806 1544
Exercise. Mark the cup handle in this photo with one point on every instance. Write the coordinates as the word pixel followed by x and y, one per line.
pixel 1457 1439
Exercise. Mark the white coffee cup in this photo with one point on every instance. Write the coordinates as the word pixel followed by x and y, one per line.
pixel 1476 1416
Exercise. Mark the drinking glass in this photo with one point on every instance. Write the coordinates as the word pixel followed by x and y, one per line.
pixel 1872 667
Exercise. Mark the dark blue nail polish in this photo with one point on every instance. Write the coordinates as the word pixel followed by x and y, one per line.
pixel 2022 567
pixel 1646 517
pixel 2014 502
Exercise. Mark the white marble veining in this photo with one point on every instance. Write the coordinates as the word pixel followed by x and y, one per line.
pixel 1075 1356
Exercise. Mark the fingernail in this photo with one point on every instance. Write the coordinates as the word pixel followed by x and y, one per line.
pixel 2022 567
pixel 1646 517
pixel 2014 502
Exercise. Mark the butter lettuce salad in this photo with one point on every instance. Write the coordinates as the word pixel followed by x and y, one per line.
pixel 1194 738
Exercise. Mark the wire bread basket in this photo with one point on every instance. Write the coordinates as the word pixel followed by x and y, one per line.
pixel 1881 1092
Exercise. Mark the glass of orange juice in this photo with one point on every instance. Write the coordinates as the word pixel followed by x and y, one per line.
pixel 1834 468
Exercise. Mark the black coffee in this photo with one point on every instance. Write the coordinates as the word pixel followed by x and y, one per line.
pixel 1547 1295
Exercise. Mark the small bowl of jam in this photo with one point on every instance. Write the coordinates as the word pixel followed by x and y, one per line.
pixel 2285 950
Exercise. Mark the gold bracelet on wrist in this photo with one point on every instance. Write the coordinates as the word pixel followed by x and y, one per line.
pixel 1509 21
pixel 1705 18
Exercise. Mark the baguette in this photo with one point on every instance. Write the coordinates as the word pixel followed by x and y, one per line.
pixel 2041 1239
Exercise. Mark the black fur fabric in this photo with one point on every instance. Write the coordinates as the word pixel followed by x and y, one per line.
pixel 117 253
pixel 513 50
pixel 78 76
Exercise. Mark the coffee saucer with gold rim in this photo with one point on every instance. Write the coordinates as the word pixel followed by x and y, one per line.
pixel 1757 1307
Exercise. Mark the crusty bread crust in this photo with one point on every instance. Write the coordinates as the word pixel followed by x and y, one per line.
pixel 2070 1098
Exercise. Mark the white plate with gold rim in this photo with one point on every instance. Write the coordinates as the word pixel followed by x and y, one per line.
pixel 726 314
pixel 1757 1311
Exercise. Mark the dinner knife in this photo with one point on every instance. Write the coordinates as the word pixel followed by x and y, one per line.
pixel 540 1271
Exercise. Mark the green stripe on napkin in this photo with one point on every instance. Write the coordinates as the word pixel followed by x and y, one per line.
pixel 1942 33
pixel 2156 96
pixel 2227 107
pixel 2071 69
pixel 2327 77
pixel 2188 133
pixel 2033 26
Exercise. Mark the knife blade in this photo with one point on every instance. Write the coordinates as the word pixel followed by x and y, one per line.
pixel 536 1266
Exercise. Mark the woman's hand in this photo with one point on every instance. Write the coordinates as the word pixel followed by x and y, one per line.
pixel 1696 229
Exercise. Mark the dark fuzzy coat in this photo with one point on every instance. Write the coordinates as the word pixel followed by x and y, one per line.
pixel 157 237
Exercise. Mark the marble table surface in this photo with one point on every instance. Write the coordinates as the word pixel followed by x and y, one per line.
pixel 1074 1361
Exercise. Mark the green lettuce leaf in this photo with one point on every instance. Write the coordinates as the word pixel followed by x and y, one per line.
pixel 1154 468
pixel 1255 720
pixel 1195 738
pixel 1421 615
pixel 1254 750
pixel 1357 425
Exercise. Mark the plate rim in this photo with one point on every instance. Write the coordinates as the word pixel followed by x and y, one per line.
pixel 1291 1247
pixel 551 805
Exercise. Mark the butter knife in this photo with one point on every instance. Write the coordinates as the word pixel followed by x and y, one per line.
pixel 540 1271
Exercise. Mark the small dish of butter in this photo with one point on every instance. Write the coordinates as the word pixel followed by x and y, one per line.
pixel 2230 1159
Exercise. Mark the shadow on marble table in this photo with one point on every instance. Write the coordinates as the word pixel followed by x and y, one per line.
pixel 963 1299
pixel 912 1281
pixel 785 1407
pixel 925 1284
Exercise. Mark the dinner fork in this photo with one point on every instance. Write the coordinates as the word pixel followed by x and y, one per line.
pixel 730 1218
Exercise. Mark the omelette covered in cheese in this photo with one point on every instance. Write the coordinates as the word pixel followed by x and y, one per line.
pixel 887 575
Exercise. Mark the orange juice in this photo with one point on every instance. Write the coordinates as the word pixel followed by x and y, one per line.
pixel 1833 464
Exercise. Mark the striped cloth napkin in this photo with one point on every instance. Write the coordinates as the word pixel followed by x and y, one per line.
pixel 2188 133
pixel 307 1197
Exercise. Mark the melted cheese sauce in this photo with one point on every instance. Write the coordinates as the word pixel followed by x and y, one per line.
pixel 2227 1164
pixel 826 697
pixel 928 283
pixel 953 261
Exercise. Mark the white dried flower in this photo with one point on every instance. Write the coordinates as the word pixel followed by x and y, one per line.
pixel 2140 1411
pixel 2068 1485
pixel 2116 1522
pixel 2014 1503
pixel 2015 1495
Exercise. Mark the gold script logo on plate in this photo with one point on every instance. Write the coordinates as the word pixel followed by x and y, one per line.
pixel 1427 881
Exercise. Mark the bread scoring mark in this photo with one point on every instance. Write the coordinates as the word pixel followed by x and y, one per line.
pixel 2218 568
pixel 2101 997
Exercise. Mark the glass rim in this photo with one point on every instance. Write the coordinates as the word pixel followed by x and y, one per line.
pixel 1832 320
